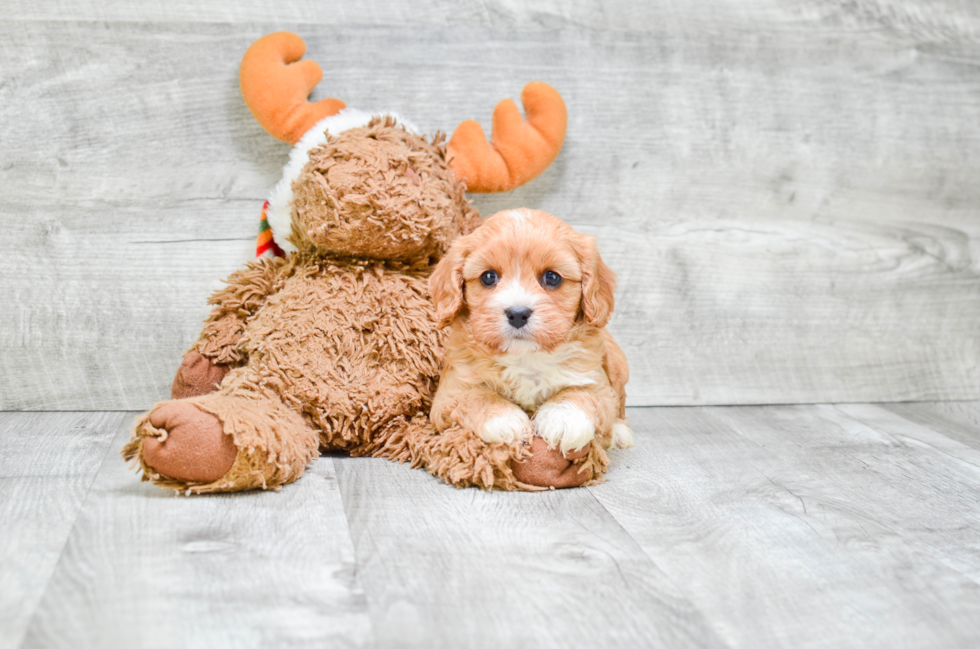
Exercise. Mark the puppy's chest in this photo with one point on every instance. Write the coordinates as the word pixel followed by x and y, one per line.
pixel 531 379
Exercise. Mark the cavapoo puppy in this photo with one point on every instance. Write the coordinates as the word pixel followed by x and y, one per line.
pixel 527 299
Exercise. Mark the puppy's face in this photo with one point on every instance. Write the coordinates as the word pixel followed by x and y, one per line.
pixel 522 281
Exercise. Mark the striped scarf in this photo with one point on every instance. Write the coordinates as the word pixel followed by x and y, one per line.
pixel 265 246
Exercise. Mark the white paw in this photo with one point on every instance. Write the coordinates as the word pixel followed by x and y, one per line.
pixel 507 428
pixel 622 435
pixel 563 425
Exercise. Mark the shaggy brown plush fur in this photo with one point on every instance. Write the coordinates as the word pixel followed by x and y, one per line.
pixel 335 346
pixel 390 197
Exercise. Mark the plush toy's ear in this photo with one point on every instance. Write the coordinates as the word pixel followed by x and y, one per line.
pixel 275 85
pixel 519 150
pixel 446 284
pixel 598 284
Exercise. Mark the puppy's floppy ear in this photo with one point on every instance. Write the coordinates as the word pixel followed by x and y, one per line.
pixel 446 283
pixel 598 283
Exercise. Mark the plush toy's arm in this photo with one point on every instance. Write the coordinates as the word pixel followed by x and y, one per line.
pixel 246 292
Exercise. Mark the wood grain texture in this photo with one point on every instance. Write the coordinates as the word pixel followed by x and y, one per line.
pixel 55 444
pixel 911 480
pixel 939 18
pixel 958 420
pixel 802 527
pixel 464 568
pixel 144 568
pixel 787 190
pixel 755 527
pixel 47 463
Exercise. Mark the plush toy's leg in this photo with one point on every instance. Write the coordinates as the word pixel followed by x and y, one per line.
pixel 550 468
pixel 222 442
pixel 194 447
pixel 460 457
pixel 197 375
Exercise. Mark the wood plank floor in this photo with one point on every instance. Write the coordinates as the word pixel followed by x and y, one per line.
pixel 773 526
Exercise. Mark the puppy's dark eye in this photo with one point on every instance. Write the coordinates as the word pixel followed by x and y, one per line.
pixel 489 278
pixel 551 279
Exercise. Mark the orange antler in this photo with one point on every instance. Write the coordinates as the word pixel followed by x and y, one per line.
pixel 519 150
pixel 276 87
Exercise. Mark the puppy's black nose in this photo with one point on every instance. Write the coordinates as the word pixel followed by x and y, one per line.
pixel 517 316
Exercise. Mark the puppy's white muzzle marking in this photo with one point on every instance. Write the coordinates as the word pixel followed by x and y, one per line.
pixel 510 297
pixel 513 295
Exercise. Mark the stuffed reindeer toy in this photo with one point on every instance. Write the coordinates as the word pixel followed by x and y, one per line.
pixel 334 345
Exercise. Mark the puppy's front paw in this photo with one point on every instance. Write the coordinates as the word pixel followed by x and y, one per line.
pixel 563 425
pixel 508 427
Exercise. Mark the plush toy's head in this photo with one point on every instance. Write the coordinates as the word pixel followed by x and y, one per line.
pixel 367 186
pixel 378 191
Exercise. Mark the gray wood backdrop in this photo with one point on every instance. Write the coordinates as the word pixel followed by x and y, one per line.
pixel 788 190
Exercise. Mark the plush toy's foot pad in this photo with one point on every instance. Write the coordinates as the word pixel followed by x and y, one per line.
pixel 197 375
pixel 195 449
pixel 549 468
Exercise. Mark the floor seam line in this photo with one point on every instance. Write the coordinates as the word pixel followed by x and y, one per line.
pixel 71 532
